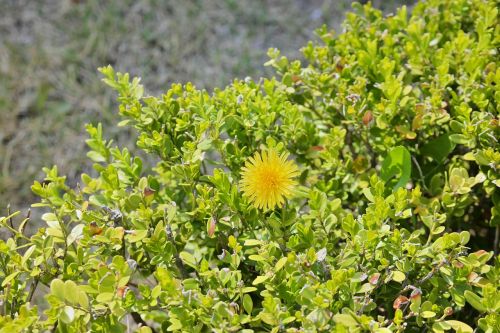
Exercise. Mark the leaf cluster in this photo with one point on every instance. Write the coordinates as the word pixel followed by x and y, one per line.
pixel 394 227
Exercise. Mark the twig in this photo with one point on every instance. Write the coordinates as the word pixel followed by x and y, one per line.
pixel 34 284
pixel 178 260
pixel 10 217
pixel 497 239
pixel 419 282
pixel 432 272
pixel 422 178
pixel 139 321
pixel 15 232
pixel 366 299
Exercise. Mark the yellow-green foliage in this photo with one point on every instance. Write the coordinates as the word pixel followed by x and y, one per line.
pixel 393 226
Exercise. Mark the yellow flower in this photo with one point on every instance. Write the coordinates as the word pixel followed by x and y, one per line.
pixel 267 179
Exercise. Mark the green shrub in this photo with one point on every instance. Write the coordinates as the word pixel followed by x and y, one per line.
pixel 394 220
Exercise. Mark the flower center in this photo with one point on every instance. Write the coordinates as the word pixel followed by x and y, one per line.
pixel 272 180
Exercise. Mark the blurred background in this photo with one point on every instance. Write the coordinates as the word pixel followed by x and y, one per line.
pixel 50 51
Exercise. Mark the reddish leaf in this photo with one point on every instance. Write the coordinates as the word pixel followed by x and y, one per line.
pixel 401 300
pixel 415 294
pixel 211 227
pixel 148 191
pixel 121 291
pixel 95 229
pixel 374 278
pixel 367 118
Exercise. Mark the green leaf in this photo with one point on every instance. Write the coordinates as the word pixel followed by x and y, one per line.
pixel 188 259
pixel 104 297
pixel 438 148
pixel 137 236
pixel 71 292
pixel 428 314
pixel 48 217
pixel 279 265
pixel 398 276
pixel 156 291
pixel 475 301
pixel 28 254
pixel 397 167
pixel 459 139
pixel 67 315
pixel 464 237
pixel 144 329
pixel 459 326
pixel 247 303
pixel 83 300
pixel 248 289
pixel 190 284
pixel 231 241
pixel 57 288
pixel 205 144
pixel 440 326
pixel 75 233
pixel 252 242
pixel 260 279
pixel 382 330
pixel 96 157
pixel 176 325
pixel 368 194
pixel 345 319
pixel 256 257
pixel 9 278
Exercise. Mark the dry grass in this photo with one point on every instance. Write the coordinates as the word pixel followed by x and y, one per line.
pixel 49 52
